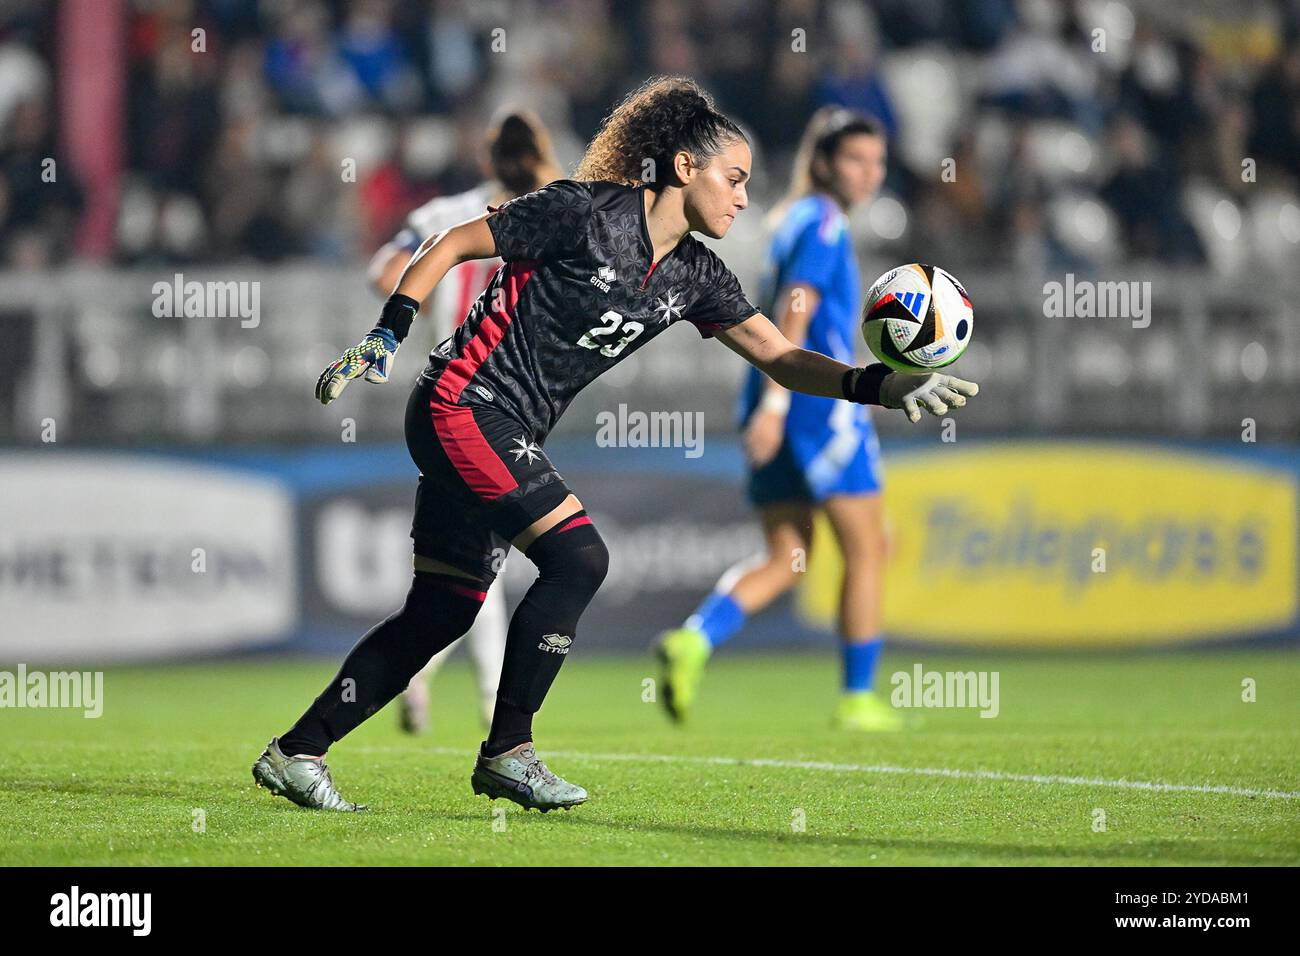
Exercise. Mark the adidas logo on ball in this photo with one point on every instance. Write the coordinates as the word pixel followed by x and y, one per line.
pixel 918 318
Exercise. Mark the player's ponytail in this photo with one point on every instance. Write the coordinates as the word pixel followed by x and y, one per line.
pixel 519 149
pixel 637 141
pixel 826 129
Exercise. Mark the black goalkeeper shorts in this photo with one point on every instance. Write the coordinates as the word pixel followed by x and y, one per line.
pixel 483 480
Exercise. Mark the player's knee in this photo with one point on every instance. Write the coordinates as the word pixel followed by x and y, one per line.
pixel 590 562
pixel 573 553
pixel 453 600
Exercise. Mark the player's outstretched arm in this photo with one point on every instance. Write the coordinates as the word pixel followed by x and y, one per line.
pixel 765 432
pixel 374 354
pixel 761 344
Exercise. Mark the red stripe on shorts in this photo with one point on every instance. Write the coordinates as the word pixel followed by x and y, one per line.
pixel 469 452
pixel 473 458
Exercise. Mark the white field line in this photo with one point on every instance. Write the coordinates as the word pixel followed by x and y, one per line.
pixel 818 765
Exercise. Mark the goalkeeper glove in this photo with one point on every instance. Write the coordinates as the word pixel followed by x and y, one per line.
pixel 910 391
pixel 374 354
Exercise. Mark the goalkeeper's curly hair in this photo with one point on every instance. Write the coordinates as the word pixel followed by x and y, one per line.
pixel 665 115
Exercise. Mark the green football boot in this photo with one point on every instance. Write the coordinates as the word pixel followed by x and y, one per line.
pixel 863 710
pixel 520 776
pixel 303 780
pixel 682 654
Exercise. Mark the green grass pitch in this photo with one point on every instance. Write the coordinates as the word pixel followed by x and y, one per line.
pixel 1075 736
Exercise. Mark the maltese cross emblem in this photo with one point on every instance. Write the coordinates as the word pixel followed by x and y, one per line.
pixel 525 448
pixel 671 307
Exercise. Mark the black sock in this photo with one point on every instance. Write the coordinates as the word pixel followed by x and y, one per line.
pixel 439 608
pixel 571 561
pixel 511 727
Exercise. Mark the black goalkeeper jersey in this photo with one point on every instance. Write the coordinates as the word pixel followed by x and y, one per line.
pixel 578 293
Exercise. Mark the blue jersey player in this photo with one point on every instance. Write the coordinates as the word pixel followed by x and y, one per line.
pixel 806 452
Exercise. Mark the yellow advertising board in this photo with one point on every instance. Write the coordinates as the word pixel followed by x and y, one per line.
pixel 1078 544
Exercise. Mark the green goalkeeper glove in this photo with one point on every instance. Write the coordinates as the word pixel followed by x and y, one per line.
pixel 374 354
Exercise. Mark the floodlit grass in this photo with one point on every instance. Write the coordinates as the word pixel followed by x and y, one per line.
pixel 174 746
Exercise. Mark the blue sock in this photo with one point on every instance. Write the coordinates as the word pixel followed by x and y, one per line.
pixel 860 663
pixel 717 618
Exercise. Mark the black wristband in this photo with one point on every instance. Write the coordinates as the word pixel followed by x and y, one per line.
pixel 399 312
pixel 862 385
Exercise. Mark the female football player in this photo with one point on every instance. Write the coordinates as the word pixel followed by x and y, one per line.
pixel 808 452
pixel 595 268
pixel 518 160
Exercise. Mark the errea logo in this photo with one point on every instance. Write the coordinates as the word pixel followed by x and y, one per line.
pixel 603 278
pixel 555 643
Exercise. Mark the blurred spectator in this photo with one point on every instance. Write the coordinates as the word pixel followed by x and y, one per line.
pixel 1173 88
pixel 791 78
pixel 39 199
pixel 238 150
pixel 981 24
pixel 175 113
pixel 852 76
pixel 303 65
pixel 1143 191
pixel 1041 67
pixel 1275 136
pixel 379 62
pixel 23 77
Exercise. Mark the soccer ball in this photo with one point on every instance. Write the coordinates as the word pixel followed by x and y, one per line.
pixel 917 318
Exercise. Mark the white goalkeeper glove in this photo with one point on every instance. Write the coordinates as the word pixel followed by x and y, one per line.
pixel 910 391
pixel 934 391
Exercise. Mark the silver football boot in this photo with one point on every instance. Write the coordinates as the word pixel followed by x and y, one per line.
pixel 304 780
pixel 520 776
